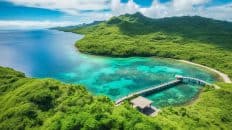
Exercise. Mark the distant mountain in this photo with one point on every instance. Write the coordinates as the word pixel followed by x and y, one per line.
pixel 137 23
pixel 188 26
pixel 69 28
pixel 193 27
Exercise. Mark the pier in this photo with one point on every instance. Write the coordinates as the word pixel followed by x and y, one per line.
pixel 179 79
pixel 196 81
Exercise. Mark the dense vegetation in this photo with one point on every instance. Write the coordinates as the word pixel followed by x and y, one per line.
pixel 196 39
pixel 211 111
pixel 27 103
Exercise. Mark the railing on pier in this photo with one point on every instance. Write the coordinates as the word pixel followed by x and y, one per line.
pixel 150 90
pixel 196 80
pixel 179 79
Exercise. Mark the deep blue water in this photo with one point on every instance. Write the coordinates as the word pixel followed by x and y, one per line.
pixel 50 53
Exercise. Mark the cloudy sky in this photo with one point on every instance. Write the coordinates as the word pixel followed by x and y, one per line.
pixel 49 13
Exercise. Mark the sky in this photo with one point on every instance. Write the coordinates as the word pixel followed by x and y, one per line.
pixel 50 13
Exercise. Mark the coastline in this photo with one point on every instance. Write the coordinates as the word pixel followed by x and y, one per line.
pixel 225 78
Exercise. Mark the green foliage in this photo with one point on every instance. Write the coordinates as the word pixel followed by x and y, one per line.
pixel 212 110
pixel 196 39
pixel 48 104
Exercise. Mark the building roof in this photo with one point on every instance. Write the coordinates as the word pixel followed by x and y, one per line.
pixel 141 102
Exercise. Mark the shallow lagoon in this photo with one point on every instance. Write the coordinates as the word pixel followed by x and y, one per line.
pixel 50 53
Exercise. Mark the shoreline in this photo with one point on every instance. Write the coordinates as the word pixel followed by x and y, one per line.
pixel 224 77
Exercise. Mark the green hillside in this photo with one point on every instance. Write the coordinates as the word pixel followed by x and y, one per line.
pixel 47 104
pixel 211 111
pixel 196 39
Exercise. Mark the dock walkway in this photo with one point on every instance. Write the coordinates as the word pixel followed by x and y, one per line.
pixel 178 80
pixel 150 90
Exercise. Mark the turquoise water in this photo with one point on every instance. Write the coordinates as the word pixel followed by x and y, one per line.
pixel 177 95
pixel 49 53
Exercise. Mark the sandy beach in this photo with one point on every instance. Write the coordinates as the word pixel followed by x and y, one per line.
pixel 223 76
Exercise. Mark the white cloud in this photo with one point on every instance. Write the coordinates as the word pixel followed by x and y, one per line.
pixel 173 8
pixel 186 4
pixel 188 7
pixel 20 24
pixel 119 8
pixel 222 12
pixel 68 6
pixel 29 24
pixel 156 10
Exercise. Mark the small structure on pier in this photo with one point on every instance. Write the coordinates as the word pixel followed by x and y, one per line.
pixel 179 77
pixel 141 102
pixel 153 89
pixel 144 106
pixel 150 90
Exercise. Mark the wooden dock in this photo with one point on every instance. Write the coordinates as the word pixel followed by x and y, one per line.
pixel 178 80
pixel 150 90
pixel 196 81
